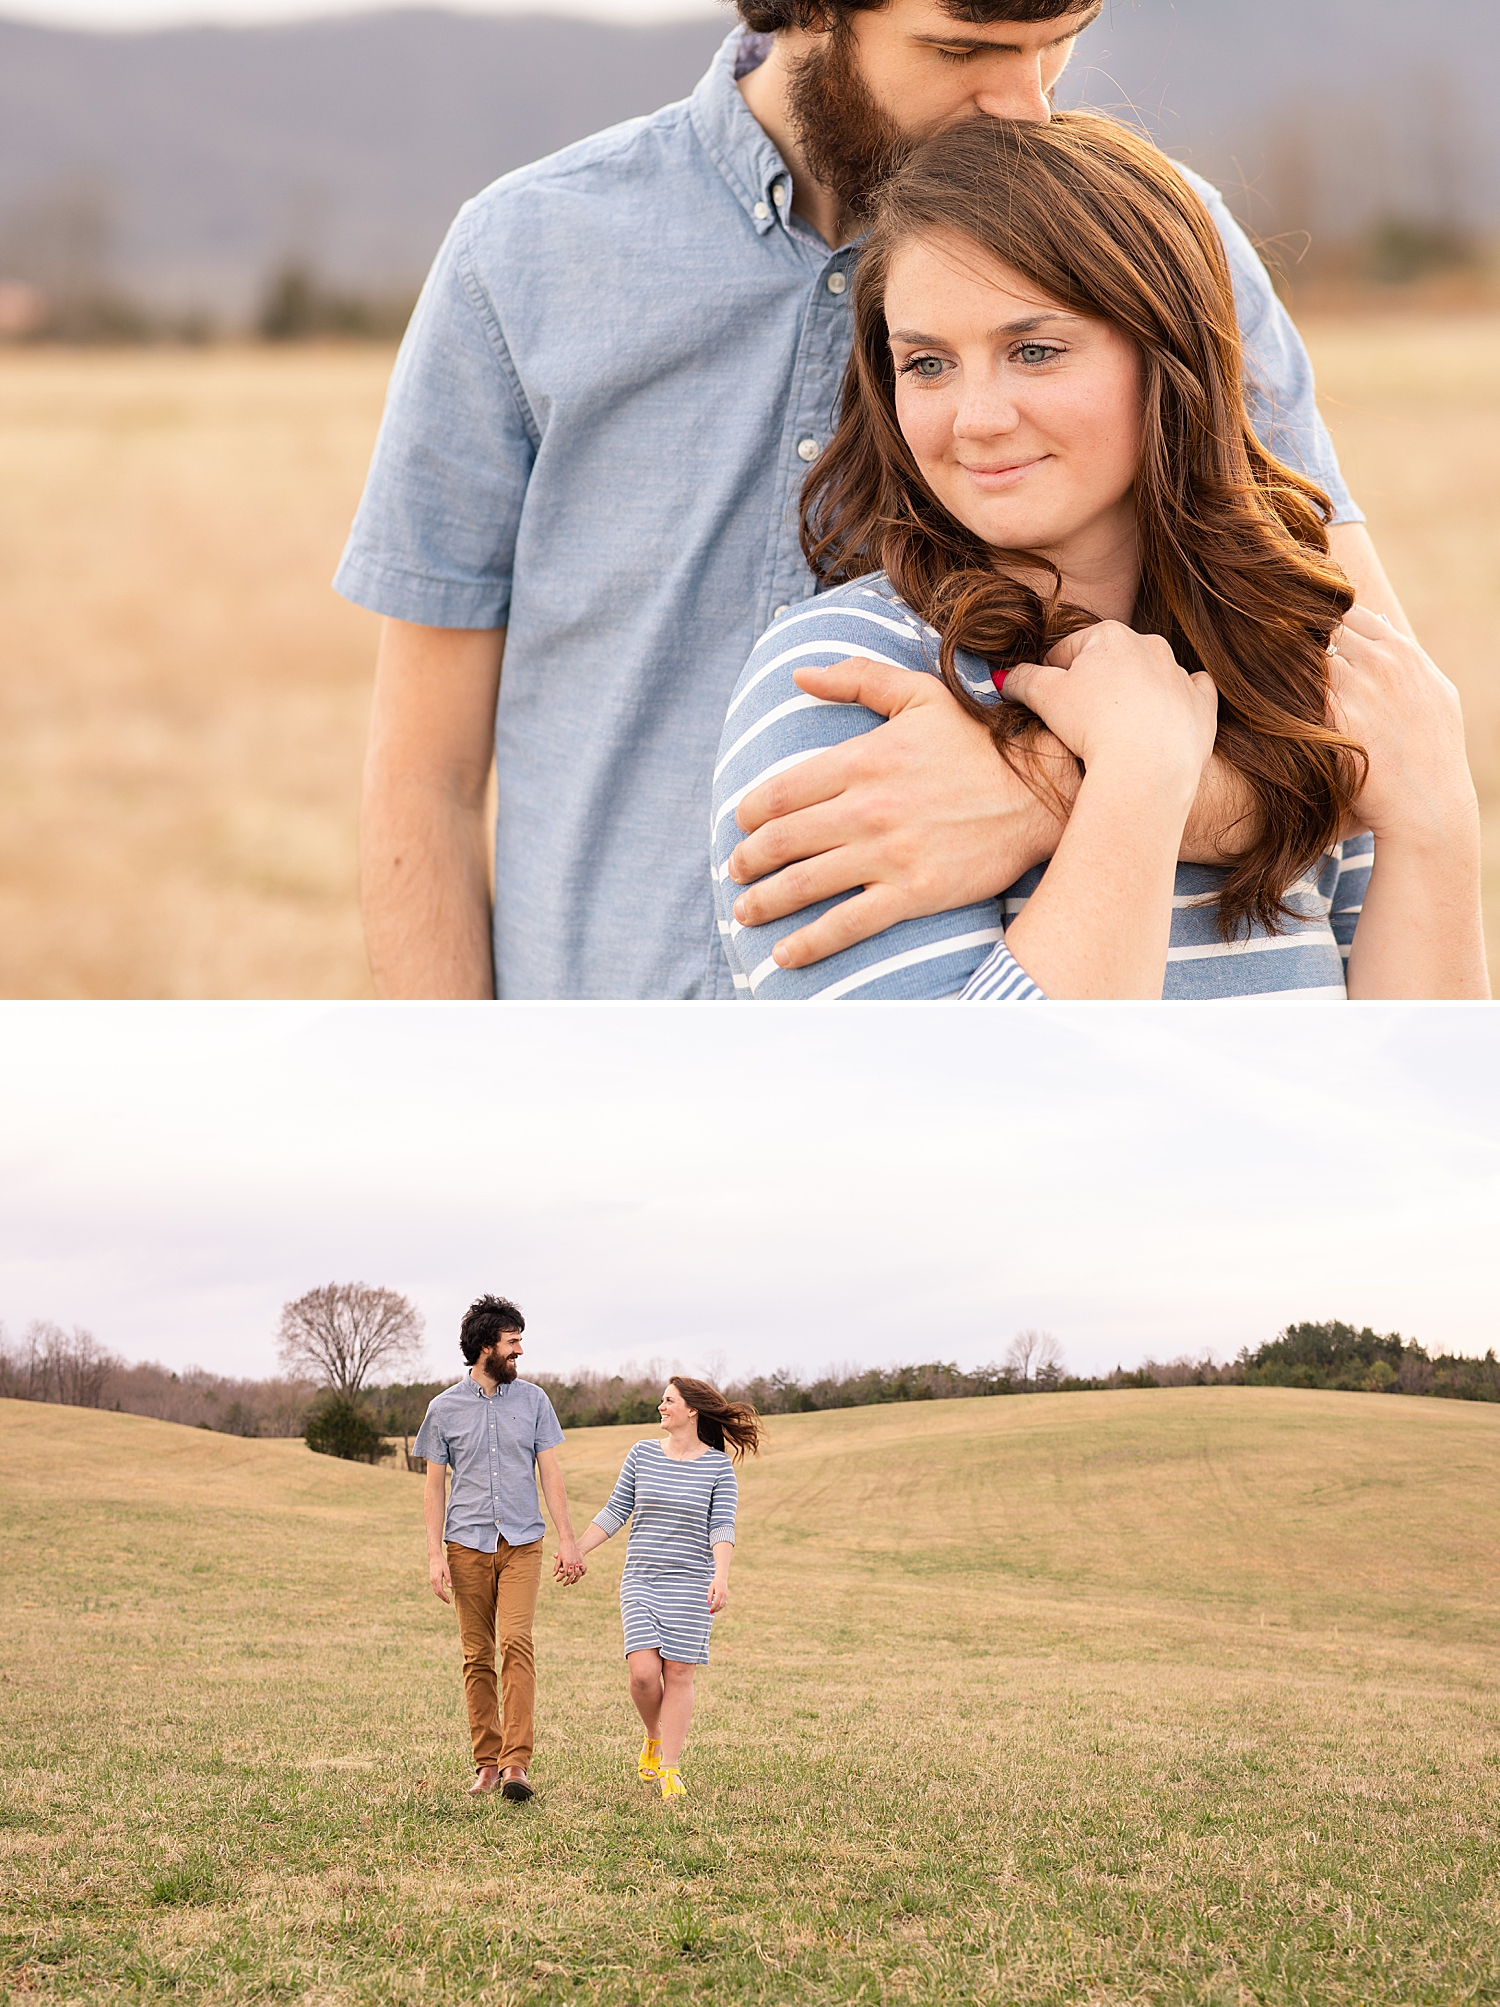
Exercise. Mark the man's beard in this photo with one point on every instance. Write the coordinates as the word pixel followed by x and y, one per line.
pixel 850 145
pixel 502 1371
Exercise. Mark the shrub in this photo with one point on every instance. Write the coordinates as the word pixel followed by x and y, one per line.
pixel 337 1428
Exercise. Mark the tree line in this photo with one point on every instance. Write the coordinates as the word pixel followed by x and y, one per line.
pixel 337 1341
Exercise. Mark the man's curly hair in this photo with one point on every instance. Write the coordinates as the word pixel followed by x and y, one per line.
pixel 767 17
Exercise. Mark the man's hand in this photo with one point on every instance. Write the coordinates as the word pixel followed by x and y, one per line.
pixel 438 1576
pixel 922 812
pixel 568 1565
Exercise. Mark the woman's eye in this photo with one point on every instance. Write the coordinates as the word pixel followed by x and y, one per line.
pixel 925 366
pixel 1035 351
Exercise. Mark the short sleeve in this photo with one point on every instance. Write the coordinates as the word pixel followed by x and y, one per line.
pixel 548 1428
pixel 723 1506
pixel 434 538
pixel 772 726
pixel 431 1443
pixel 1356 859
pixel 1280 394
pixel 621 1503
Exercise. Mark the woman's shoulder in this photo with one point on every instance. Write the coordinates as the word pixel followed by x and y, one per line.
pixel 772 724
pixel 867 616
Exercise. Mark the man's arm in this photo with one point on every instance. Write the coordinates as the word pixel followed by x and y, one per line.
pixel 434 1505
pixel 567 1562
pixel 923 813
pixel 1353 550
pixel 424 834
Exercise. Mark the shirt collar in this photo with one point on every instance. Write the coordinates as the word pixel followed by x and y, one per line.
pixel 737 144
pixel 474 1387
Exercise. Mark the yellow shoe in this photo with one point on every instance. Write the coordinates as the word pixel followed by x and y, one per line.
pixel 648 1763
pixel 672 1785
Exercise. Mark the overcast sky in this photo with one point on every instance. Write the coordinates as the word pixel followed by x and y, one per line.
pixel 752 1188
pixel 171 13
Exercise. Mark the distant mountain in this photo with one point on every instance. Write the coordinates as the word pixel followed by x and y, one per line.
pixel 208 154
pixel 1321 115
pixel 194 159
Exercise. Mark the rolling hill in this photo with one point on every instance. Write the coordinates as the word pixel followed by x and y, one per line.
pixel 1179 1695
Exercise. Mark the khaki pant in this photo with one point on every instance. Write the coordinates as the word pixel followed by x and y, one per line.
pixel 495 1594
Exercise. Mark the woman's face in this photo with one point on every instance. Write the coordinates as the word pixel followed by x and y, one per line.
pixel 1024 419
pixel 673 1409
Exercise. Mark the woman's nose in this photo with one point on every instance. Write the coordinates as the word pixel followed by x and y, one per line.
pixel 984 414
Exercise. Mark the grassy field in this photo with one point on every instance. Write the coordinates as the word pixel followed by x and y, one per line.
pixel 183 699
pixel 1178 1696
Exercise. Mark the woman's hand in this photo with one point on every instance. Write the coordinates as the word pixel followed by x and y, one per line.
pixel 1100 922
pixel 1121 699
pixel 718 1594
pixel 1392 699
pixel 1420 934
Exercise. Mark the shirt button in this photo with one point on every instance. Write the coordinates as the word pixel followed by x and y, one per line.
pixel 778 613
pixel 807 449
pixel 836 282
pixel 760 212
pixel 778 194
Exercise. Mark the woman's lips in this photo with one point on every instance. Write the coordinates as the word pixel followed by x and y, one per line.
pixel 1008 476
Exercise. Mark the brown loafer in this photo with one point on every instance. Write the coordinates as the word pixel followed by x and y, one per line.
pixel 488 1780
pixel 515 1786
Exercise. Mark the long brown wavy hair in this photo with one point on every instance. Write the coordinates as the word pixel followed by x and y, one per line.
pixel 720 1422
pixel 1235 571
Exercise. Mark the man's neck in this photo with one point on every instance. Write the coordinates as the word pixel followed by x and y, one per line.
pixel 765 92
pixel 484 1383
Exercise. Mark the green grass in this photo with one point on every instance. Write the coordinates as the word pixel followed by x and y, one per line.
pixel 1176 1696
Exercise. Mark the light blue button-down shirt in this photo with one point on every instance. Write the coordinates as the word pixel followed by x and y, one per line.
pixel 491 1443
pixel 622 363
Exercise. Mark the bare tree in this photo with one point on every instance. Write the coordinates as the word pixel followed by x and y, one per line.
pixel 345 1331
pixel 1035 1359
pixel 67 1367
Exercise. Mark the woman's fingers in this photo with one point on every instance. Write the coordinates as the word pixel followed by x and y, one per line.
pixel 1022 686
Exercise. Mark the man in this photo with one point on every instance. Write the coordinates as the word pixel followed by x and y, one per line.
pixel 624 361
pixel 497 1435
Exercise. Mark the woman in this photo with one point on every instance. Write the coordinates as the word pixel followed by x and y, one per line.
pixel 682 1494
pixel 1044 478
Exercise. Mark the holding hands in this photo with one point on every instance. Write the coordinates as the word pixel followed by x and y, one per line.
pixel 568 1565
pixel 1390 697
pixel 1420 934
pixel 1120 698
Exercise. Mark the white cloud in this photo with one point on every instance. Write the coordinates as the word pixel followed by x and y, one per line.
pixel 779 1186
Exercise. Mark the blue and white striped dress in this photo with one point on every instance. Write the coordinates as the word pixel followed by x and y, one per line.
pixel 681 1509
pixel 772 725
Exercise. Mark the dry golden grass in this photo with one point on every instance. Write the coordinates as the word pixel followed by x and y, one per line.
pixel 184 699
pixel 1414 406
pixel 1163 1697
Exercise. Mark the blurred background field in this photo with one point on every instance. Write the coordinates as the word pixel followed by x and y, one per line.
pixel 183 698
pixel 1174 1697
